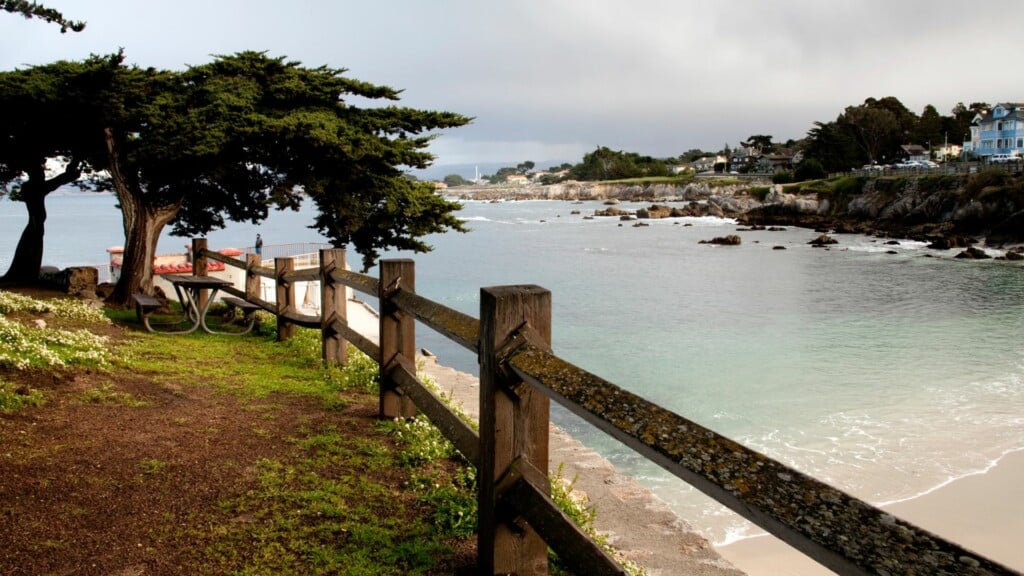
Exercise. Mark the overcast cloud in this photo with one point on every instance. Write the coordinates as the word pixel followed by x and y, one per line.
pixel 550 80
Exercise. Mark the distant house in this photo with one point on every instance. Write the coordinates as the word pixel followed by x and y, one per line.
pixel 998 131
pixel 914 152
pixel 771 163
pixel 517 179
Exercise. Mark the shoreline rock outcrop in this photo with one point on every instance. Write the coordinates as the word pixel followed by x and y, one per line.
pixel 950 209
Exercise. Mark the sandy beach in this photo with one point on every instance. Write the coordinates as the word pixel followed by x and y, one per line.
pixel 984 512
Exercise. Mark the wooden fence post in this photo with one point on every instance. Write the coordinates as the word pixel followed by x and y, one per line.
pixel 397 336
pixel 513 425
pixel 200 267
pixel 252 280
pixel 333 307
pixel 285 297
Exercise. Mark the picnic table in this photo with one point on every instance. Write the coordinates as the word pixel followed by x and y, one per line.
pixel 189 289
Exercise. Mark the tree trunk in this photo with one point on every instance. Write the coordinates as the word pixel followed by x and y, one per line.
pixel 142 227
pixel 28 256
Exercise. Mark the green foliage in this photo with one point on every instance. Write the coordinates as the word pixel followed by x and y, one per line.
pixel 23 347
pixel 583 516
pixel 152 466
pixel 848 186
pixel 606 164
pixel 453 501
pixel 782 177
pixel 108 395
pixel 809 169
pixel 421 441
pixel 940 182
pixel 37 10
pixel 759 192
pixel 14 398
pixel 453 180
pixel 986 179
pixel 66 308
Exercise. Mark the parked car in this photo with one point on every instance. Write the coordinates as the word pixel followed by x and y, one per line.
pixel 1004 158
pixel 908 164
pixel 872 167
pixel 928 164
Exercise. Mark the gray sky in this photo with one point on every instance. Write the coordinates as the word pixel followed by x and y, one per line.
pixel 551 80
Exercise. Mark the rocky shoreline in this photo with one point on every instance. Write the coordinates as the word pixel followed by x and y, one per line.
pixel 947 211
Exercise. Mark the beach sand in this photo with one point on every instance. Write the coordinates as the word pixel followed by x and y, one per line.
pixel 983 513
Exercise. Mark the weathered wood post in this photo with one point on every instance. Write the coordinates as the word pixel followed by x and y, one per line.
pixel 252 280
pixel 285 297
pixel 513 425
pixel 397 336
pixel 200 267
pixel 333 307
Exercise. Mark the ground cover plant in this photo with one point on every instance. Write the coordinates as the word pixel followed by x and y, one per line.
pixel 204 454
pixel 127 452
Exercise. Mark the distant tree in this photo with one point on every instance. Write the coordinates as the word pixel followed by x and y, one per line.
pixel 525 167
pixel 455 180
pixel 876 129
pixel 550 178
pixel 835 146
pixel 692 154
pixel 607 164
pixel 761 143
pixel 929 127
pixel 979 108
pixel 501 175
pixel 36 10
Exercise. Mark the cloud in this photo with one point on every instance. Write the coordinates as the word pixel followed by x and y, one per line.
pixel 545 79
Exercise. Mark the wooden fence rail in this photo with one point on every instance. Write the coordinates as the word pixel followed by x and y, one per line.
pixel 519 375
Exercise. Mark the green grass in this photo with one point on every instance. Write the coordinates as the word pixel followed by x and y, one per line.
pixel 395 498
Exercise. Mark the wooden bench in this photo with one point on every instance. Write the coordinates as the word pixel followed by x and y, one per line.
pixel 144 306
pixel 248 309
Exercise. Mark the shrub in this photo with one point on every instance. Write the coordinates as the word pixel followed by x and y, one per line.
pixel 782 177
pixel 809 169
pixel 759 192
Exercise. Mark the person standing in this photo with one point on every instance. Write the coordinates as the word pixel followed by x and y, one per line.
pixel 259 245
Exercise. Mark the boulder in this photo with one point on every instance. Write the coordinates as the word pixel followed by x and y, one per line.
pixel 948 242
pixel 611 212
pixel 76 280
pixel 655 211
pixel 730 240
pixel 973 253
pixel 823 240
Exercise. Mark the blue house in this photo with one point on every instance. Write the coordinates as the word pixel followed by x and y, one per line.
pixel 998 131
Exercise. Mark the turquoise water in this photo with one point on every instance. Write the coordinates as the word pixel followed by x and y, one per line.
pixel 885 374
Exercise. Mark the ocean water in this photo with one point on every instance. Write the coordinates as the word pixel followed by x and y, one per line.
pixel 887 375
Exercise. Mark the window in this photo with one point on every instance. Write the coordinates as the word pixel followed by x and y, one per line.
pixel 1020 142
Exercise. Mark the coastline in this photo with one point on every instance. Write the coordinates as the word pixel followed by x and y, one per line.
pixel 638 524
pixel 982 512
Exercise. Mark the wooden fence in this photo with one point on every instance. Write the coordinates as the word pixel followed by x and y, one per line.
pixel 519 375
